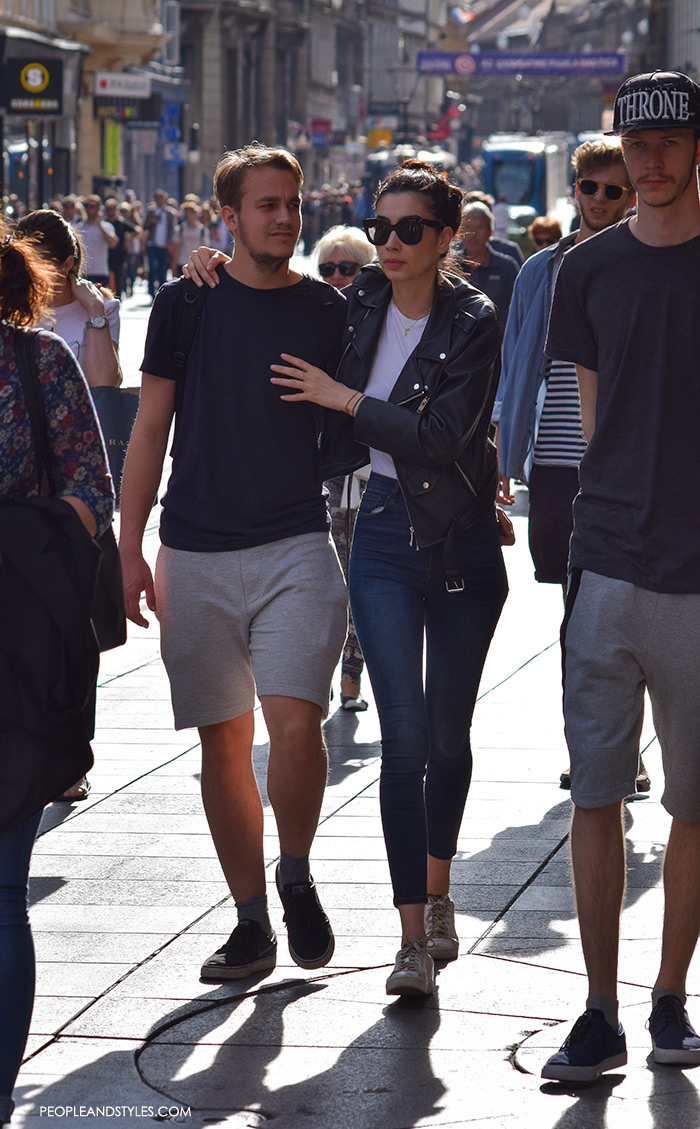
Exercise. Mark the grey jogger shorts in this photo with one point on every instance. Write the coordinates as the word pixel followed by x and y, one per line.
pixel 271 620
pixel 618 640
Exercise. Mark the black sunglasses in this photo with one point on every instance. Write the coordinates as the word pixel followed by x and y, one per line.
pixel 545 240
pixel 409 229
pixel 612 191
pixel 346 268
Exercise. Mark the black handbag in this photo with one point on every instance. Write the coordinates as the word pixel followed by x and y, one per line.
pixel 116 410
pixel 108 612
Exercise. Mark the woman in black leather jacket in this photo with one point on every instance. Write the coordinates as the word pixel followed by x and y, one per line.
pixel 416 384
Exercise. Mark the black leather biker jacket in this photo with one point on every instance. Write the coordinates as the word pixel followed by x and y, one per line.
pixel 435 423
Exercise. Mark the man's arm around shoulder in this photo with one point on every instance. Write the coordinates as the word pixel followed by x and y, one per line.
pixel 142 473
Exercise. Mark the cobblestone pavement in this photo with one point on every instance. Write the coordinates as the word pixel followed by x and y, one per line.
pixel 128 898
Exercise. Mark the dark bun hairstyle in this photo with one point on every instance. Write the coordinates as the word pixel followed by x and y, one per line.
pixel 420 177
pixel 26 279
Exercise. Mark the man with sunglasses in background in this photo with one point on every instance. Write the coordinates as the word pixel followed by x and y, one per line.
pixel 537 408
pixel 626 312
pixel 98 236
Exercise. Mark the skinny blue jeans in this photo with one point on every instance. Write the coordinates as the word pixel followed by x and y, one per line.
pixel 17 972
pixel 398 598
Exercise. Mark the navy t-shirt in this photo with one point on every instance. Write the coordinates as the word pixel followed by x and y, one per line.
pixel 631 312
pixel 245 470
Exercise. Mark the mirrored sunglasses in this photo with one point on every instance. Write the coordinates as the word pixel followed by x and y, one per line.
pixel 409 229
pixel 347 268
pixel 612 191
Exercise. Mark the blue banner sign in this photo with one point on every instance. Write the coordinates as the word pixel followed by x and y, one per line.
pixel 505 63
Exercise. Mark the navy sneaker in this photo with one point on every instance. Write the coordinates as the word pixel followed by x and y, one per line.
pixel 672 1035
pixel 592 1047
pixel 309 932
pixel 248 950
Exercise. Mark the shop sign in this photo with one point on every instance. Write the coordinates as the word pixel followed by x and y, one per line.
pixel 500 63
pixel 32 85
pixel 114 84
pixel 112 149
pixel 116 110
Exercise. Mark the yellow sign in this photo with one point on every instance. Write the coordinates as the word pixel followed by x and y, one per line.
pixel 112 149
pixel 378 137
pixel 34 78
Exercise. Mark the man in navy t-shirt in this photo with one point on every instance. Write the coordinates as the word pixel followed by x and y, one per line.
pixel 248 589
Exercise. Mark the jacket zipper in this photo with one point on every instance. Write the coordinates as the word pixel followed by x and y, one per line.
pixel 401 403
pixel 465 477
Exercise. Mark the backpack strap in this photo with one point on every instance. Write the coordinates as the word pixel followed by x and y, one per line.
pixel 24 340
pixel 187 315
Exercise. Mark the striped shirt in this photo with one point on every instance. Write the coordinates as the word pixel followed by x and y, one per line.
pixel 560 438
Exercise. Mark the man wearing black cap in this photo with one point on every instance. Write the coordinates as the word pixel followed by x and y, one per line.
pixel 626 311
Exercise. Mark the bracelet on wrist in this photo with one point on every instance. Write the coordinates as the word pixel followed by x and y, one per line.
pixel 347 408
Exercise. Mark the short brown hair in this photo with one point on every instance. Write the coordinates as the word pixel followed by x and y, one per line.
pixel 601 154
pixel 231 170
pixel 544 225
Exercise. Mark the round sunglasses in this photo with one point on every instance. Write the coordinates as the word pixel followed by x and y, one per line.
pixel 612 191
pixel 347 268
pixel 409 229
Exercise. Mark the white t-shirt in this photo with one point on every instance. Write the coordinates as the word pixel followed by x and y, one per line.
pixel 69 323
pixel 189 238
pixel 96 247
pixel 160 235
pixel 398 339
pixel 501 219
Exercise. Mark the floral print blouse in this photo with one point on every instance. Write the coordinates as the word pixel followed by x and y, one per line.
pixel 78 463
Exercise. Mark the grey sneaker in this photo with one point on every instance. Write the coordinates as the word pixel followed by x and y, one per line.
pixel 443 943
pixel 414 971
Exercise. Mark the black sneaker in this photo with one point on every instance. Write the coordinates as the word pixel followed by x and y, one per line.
pixel 309 932
pixel 248 950
pixel 672 1035
pixel 592 1047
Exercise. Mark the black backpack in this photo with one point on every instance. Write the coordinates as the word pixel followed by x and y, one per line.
pixel 328 315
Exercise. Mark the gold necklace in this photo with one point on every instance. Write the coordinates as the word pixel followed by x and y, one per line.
pixel 411 323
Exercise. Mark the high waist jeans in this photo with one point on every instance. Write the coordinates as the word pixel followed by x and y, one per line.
pixel 398 597
pixel 16 954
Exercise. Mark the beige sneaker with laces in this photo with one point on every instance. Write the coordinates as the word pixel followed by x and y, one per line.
pixel 414 971
pixel 443 943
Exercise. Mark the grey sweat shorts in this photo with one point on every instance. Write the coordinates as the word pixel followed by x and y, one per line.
pixel 619 639
pixel 271 620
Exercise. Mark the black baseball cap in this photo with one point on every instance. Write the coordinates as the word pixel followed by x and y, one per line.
pixel 659 100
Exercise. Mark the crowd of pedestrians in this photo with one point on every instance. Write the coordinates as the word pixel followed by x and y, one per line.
pixel 581 364
pixel 126 240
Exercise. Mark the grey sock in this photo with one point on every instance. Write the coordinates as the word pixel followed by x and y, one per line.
pixel 657 993
pixel 255 909
pixel 608 1006
pixel 294 870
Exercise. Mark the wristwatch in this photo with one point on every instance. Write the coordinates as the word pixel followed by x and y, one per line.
pixel 97 321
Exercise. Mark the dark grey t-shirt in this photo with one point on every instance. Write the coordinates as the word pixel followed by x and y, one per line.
pixel 631 313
